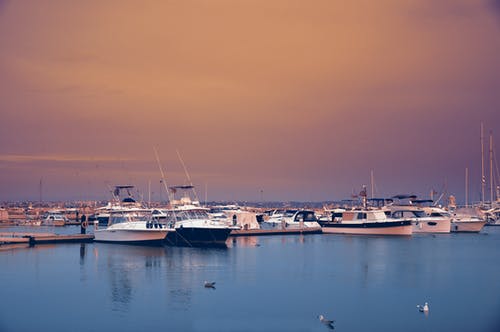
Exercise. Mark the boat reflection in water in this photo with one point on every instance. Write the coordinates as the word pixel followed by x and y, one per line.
pixel 167 273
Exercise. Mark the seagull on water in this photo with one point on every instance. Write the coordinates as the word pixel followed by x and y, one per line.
pixel 327 322
pixel 209 284
pixel 423 308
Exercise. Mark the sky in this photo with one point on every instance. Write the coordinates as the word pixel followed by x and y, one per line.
pixel 271 100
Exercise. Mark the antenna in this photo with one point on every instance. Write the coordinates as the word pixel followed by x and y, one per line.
pixel 187 175
pixel 170 198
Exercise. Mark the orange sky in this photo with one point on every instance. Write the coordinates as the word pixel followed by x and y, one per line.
pixel 300 99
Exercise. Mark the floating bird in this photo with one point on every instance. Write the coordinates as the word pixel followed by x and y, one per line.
pixel 423 308
pixel 209 284
pixel 327 322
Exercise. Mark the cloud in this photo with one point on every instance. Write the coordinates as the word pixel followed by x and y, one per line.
pixel 13 158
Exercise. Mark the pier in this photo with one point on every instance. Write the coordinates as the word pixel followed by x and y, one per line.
pixel 41 238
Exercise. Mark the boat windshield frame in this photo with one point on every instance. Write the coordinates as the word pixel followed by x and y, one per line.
pixel 117 217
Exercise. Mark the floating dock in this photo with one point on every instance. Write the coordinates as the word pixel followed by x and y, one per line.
pixel 286 231
pixel 40 238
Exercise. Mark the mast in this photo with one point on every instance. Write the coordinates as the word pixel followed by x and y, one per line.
pixel 372 181
pixel 170 198
pixel 188 177
pixel 149 193
pixel 40 192
pixel 483 179
pixel 466 187
pixel 491 168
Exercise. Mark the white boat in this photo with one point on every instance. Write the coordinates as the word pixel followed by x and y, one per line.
pixel 54 218
pixel 466 220
pixel 132 226
pixel 431 221
pixel 493 216
pixel 425 217
pixel 291 219
pixel 119 202
pixel 365 222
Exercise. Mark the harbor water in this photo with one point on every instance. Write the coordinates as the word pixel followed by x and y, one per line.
pixel 268 283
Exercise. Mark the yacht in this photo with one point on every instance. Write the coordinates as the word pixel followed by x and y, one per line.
pixel 290 219
pixel 54 218
pixel 119 202
pixel 132 226
pixel 430 221
pixel 193 226
pixel 365 222
pixel 493 216
pixel 467 224
pixel 425 217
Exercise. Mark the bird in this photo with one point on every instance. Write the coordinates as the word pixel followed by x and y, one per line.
pixel 327 322
pixel 423 308
pixel 209 284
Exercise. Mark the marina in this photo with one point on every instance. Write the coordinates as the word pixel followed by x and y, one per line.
pixel 266 282
pixel 249 166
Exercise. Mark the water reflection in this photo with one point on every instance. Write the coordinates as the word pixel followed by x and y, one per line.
pixel 127 268
pixel 244 241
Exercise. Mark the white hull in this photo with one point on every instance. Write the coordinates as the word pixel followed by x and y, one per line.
pixel 130 232
pixel 393 230
pixel 467 226
pixel 432 226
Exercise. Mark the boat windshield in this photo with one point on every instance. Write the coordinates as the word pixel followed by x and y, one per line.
pixel 191 214
pixel 409 214
pixel 419 214
pixel 289 213
pixel 120 217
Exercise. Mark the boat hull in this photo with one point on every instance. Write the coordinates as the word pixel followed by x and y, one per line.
pixel 368 228
pixel 432 226
pixel 467 226
pixel 198 236
pixel 143 237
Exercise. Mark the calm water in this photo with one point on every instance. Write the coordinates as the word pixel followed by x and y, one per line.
pixel 275 283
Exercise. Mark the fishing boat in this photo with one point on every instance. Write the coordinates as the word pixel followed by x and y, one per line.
pixel 120 201
pixel 193 226
pixel 365 222
pixel 132 226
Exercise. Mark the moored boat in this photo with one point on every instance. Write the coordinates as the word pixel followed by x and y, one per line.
pixel 132 226
pixel 291 219
pixel 193 226
pixel 432 221
pixel 365 222
pixel 54 218
pixel 466 220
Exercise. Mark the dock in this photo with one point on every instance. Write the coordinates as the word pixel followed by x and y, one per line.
pixel 286 231
pixel 41 238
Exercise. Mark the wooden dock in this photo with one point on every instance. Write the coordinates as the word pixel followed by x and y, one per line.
pixel 286 231
pixel 41 238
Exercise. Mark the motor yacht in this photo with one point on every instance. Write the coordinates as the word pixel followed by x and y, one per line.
pixel 132 226
pixel 365 222
pixel 193 226
pixel 290 219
